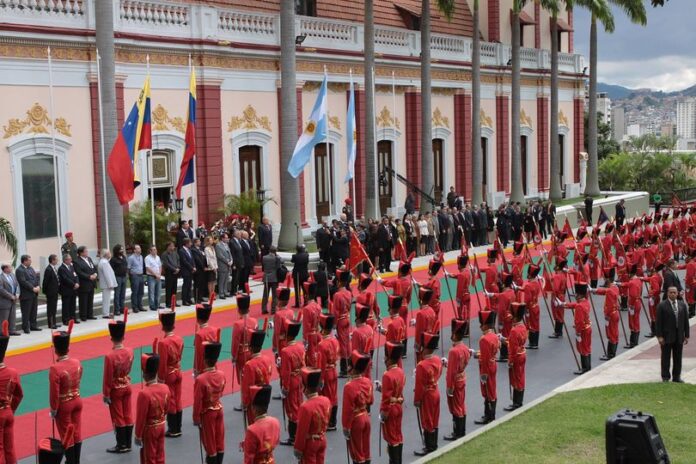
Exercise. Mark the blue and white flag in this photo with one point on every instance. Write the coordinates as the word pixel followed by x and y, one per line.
pixel 314 133
pixel 351 133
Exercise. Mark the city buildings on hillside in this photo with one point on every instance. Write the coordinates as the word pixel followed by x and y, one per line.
pixel 686 124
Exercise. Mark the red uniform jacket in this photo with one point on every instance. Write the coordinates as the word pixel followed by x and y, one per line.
pixel 257 371
pixel 149 422
pixel 583 326
pixel 427 393
pixel 490 283
pixel 312 421
pixel 391 406
pixel 357 396
pixel 207 391
pixel 488 366
pixel 292 360
pixel 425 322
pixel 433 284
pixel 240 340
pixel 362 339
pixel 117 367
pixel 505 300
pixel 517 355
pixel 368 299
pixel 396 329
pixel 205 333
pixel 310 322
pixel 279 322
pixel 457 360
pixel 327 356
pixel 11 393
pixel 611 311
pixel 517 268
pixel 260 440
pixel 170 350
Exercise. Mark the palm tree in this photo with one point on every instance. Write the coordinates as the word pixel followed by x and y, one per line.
pixel 8 239
pixel 601 11
pixel 104 17
pixel 516 191
pixel 289 186
pixel 427 161
pixel 477 157
pixel 372 209
pixel 553 7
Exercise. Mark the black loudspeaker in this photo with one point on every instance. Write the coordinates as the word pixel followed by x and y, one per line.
pixel 633 437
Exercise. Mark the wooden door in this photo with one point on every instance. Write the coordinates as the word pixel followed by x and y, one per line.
pixel 323 180
pixel 249 168
pixel 385 158
pixel 438 162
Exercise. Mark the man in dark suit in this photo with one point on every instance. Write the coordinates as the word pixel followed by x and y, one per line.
pixel 188 268
pixel 237 261
pixel 300 271
pixel 672 331
pixel 87 273
pixel 50 286
pixel 184 232
pixel 323 238
pixel 589 201
pixel 172 271
pixel 671 279
pixel 200 281
pixel 265 235
pixel 29 288
pixel 249 253
pixel 384 244
pixel 620 213
pixel 8 297
pixel 69 285
pixel 270 265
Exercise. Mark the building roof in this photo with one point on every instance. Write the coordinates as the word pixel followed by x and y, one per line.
pixel 386 12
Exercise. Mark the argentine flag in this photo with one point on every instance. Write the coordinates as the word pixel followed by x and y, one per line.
pixel 314 133
pixel 351 134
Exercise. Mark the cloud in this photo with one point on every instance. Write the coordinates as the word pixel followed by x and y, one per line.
pixel 668 73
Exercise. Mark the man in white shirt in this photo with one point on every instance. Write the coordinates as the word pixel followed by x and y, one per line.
pixel 153 269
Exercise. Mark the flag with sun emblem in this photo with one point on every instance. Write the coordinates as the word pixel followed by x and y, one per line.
pixel 314 133
pixel 351 134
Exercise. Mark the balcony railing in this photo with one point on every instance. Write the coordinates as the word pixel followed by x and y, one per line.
pixel 195 21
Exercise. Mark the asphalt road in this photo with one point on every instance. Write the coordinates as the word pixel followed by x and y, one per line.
pixel 547 368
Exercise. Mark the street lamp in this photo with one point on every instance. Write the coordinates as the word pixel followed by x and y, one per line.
pixel 260 197
pixel 179 206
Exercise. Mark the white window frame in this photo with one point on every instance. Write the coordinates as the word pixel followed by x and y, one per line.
pixel 392 135
pixel 334 138
pixel 259 138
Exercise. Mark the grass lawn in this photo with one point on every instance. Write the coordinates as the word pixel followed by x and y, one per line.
pixel 569 428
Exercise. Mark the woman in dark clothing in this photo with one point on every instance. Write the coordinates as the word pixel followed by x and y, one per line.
pixel 300 272
pixel 119 263
pixel 322 280
pixel 529 224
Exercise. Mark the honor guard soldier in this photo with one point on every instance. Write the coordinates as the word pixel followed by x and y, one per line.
pixel 367 297
pixel 456 362
pixel 69 247
pixel 10 396
pixel 116 386
pixel 559 287
pixel 391 408
pixel 532 291
pixel 403 287
pixel 291 363
pixel 312 420
pixel 170 349
pixel 490 283
pixel 426 321
pixel 342 302
pixel 517 262
pixel 396 327
pixel 583 327
pixel 281 317
pixel 427 394
pixel 488 367
pixel 310 323
pixel 263 435
pixel 355 417
pixel 634 287
pixel 655 281
pixel 327 356
pixel 690 282
pixel 433 283
pixel 464 278
pixel 64 378
pixel 151 410
pixel 363 336
pixel 257 371
pixel 204 333
pixel 517 355
pixel 241 353
pixel 504 302
pixel 611 311
pixel 208 413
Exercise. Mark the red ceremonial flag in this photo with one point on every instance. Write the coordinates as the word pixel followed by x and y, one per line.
pixel 357 252
pixel 567 229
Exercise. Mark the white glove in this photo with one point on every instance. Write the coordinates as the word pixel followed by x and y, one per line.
pixel 278 362
pixel 379 279
pixel 283 393
pixel 378 385
pixel 107 400
pixel 444 361
pixel 270 324
pixel 472 352
pixel 413 323
pixel 381 418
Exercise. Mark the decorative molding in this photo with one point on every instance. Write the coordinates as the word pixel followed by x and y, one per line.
pixel 36 122
pixel 385 119
pixel 335 122
pixel 439 119
pixel 162 121
pixel 249 120
pixel 562 119
pixel 445 91
pixel 486 121
pixel 525 120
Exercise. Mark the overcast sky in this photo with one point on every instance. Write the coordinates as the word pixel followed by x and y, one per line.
pixel 661 55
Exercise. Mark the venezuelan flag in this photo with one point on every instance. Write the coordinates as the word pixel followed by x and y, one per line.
pixel 135 135
pixel 186 174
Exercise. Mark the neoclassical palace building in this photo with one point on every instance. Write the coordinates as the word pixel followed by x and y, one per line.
pixel 50 175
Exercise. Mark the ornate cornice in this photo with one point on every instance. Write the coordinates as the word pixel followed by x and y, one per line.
pixel 439 120
pixel 385 119
pixel 249 120
pixel 486 120
pixel 525 120
pixel 37 121
pixel 162 121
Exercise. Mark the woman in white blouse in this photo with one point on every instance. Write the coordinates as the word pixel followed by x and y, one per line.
pixel 211 264
pixel 424 234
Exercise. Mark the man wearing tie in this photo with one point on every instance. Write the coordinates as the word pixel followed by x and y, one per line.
pixel 49 287
pixel 8 296
pixel 265 235
pixel 87 275
pixel 237 262
pixel 188 267
pixel 28 280
pixel 672 331
pixel 69 285
pixel 224 262
pixel 384 244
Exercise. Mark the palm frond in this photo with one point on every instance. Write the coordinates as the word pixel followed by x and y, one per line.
pixel 446 7
pixel 8 239
pixel 634 9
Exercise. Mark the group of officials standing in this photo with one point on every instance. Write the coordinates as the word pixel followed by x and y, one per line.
pixel 627 259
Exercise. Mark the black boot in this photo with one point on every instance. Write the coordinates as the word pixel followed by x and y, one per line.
pixel 390 452
pixel 127 438
pixel 119 441
pixel 486 414
pixel 520 400
pixel 405 354
pixel 692 310
pixel 492 410
pixel 77 451
pixel 70 455
pixel 292 428
pixel 462 426
pixel 533 341
pixel 220 456
pixel 398 453
pixel 332 419
pixel 624 303
pixel 343 373
pixel 515 401
pixel 588 363
pixel 426 441
pixel 608 355
pixel 211 459
pixel 171 426
pixel 179 420
pixel 503 353
pixel 652 331
pixel 631 341
pixel 614 346
pixel 454 434
pixel 557 330
pixel 582 366
pixel 432 446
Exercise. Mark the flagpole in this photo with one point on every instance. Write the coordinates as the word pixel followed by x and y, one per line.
pixel 148 161
pixel 103 154
pixel 194 193
pixel 355 198
pixel 374 131
pixel 327 167
pixel 395 157
pixel 53 143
